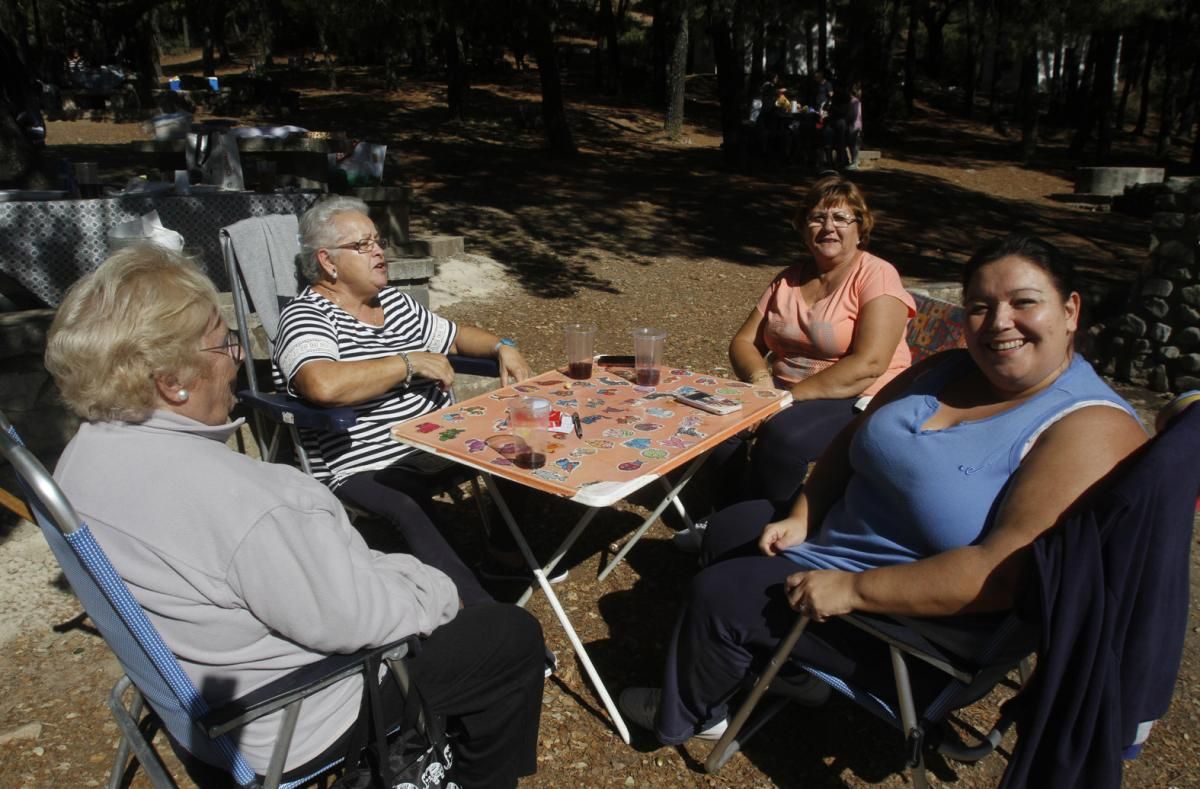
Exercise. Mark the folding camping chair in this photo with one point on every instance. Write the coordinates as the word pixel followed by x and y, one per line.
pixel 260 258
pixel 973 652
pixel 153 676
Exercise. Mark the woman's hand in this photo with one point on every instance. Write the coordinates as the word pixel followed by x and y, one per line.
pixel 513 367
pixel 432 366
pixel 782 534
pixel 820 594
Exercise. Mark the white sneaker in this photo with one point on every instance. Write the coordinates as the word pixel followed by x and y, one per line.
pixel 640 705
pixel 690 540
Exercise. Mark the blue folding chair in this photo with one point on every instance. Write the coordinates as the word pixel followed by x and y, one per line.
pixel 153 676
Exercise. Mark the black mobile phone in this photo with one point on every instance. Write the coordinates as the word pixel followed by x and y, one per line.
pixel 611 360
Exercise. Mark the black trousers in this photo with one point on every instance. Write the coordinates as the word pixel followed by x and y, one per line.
pixel 733 618
pixel 401 497
pixel 482 672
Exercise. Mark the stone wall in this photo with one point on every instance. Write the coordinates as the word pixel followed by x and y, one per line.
pixel 1156 341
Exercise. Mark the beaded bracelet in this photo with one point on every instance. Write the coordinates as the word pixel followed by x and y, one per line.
pixel 408 370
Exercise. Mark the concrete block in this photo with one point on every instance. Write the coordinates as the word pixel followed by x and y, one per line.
pixel 404 269
pixel 436 247
pixel 1113 180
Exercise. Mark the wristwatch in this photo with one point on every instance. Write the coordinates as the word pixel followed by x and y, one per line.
pixel 504 341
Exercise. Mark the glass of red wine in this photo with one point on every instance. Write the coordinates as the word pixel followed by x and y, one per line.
pixel 580 341
pixel 648 345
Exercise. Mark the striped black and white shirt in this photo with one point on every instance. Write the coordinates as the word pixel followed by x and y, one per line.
pixel 312 327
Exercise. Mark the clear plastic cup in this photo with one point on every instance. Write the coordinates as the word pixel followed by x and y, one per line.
pixel 647 354
pixel 529 419
pixel 580 341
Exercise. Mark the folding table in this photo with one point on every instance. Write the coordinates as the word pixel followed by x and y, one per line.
pixel 632 436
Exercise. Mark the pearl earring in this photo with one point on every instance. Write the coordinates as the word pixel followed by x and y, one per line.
pixel 333 274
pixel 183 395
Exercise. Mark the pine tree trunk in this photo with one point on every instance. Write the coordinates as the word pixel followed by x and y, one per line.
pixel 554 114
pixel 1153 43
pixel 677 70
pixel 910 54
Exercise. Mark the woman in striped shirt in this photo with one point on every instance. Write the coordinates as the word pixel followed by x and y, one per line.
pixel 350 340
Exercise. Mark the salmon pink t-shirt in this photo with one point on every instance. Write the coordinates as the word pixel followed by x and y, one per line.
pixel 806 338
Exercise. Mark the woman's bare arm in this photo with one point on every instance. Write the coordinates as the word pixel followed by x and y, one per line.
pixel 877 332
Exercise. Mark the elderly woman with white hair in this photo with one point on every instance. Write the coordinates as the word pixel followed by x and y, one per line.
pixel 250 570
pixel 351 340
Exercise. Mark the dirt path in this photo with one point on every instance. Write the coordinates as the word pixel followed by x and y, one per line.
pixel 636 229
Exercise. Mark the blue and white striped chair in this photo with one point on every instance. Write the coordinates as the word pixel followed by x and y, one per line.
pixel 153 676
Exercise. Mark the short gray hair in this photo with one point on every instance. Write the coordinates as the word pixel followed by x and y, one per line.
pixel 317 231
pixel 140 315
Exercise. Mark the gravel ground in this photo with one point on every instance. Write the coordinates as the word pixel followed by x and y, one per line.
pixel 636 229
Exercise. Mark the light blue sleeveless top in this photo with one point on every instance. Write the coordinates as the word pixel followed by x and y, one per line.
pixel 919 492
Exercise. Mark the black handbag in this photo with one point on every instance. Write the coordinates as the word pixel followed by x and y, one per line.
pixel 421 757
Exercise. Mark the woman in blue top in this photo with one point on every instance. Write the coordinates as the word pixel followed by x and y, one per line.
pixel 920 507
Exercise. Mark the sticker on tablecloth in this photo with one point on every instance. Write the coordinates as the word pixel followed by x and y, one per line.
pixel 592 419
pixel 727 390
pixel 450 434
pixel 454 417
pixel 613 381
pixel 684 373
pixel 579 452
pixel 706 381
pixel 428 427
pixel 647 427
pixel 474 410
pixel 476 445
pixel 655 454
pixel 618 432
pixel 631 465
pixel 675 442
pixel 661 413
pixel 567 465
pixel 636 443
pixel 600 443
pixel 503 396
pixel 549 475
pixel 765 395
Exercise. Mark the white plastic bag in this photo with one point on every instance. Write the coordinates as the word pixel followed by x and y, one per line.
pixel 145 228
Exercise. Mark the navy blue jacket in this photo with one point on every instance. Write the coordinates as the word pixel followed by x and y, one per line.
pixel 1109 587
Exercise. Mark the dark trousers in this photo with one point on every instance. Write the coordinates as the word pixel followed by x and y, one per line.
pixel 482 672
pixel 771 463
pixel 733 618
pixel 394 495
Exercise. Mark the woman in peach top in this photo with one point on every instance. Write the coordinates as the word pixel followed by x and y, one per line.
pixel 834 328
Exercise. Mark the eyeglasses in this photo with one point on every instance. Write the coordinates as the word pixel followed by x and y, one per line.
pixel 232 346
pixel 840 219
pixel 363 246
